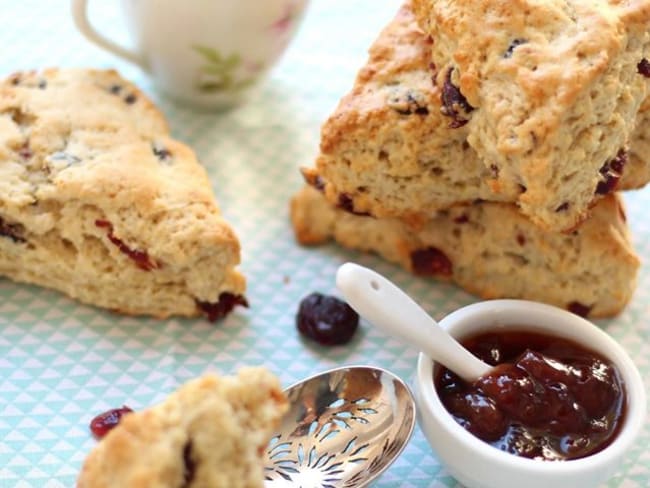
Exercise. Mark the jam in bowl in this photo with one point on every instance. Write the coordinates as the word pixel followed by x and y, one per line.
pixel 561 408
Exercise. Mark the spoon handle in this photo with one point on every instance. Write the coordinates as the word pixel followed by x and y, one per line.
pixel 383 304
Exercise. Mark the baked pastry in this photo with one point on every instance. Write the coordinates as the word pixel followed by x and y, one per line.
pixel 491 250
pixel 549 91
pixel 210 433
pixel 387 150
pixel 97 201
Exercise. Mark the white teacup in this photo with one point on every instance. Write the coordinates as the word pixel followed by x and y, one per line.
pixel 209 53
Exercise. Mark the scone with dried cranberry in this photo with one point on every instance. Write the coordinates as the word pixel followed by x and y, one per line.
pixel 388 150
pixel 209 433
pixel 99 202
pixel 490 249
pixel 548 91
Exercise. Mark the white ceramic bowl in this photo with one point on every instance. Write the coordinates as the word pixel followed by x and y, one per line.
pixel 475 463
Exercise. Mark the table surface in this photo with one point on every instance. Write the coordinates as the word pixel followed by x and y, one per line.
pixel 62 362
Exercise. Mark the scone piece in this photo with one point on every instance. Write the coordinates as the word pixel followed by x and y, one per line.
pixel 491 250
pixel 97 201
pixel 549 91
pixel 211 433
pixel 388 150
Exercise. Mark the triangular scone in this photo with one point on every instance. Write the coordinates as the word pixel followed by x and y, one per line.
pixel 549 90
pixel 491 250
pixel 97 201
pixel 388 150
pixel 212 432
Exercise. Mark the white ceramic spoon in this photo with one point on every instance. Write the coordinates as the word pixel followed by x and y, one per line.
pixel 383 304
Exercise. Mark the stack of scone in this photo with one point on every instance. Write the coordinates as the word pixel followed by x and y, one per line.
pixel 483 143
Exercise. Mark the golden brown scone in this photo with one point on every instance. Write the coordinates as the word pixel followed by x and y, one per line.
pixel 549 91
pixel 97 201
pixel 211 433
pixel 388 150
pixel 491 250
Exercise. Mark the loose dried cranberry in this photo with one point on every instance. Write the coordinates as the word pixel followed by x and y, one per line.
pixel 644 67
pixel 579 309
pixel 326 319
pixel 453 101
pixel 11 231
pixel 104 422
pixel 141 258
pixel 430 262
pixel 227 301
pixel 611 173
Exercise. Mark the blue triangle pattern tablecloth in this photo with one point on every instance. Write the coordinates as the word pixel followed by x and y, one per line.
pixel 62 362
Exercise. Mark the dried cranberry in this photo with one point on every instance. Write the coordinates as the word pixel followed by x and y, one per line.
pixel 611 173
pixel 189 466
pixel 453 101
pixel 12 231
pixel 106 421
pixel 162 153
pixel 314 180
pixel 579 309
pixel 563 207
pixel 326 319
pixel 25 152
pixel 346 203
pixel 512 46
pixel 643 67
pixel 224 305
pixel 407 102
pixel 141 258
pixel 430 262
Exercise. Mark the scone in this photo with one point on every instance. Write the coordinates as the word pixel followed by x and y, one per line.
pixel 548 90
pixel 211 433
pixel 97 201
pixel 387 150
pixel 491 250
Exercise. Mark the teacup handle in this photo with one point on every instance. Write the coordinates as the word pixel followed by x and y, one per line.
pixel 80 15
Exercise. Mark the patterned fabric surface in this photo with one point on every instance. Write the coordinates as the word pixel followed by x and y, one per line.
pixel 62 362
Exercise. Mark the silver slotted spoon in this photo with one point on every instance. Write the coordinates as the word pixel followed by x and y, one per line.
pixel 344 428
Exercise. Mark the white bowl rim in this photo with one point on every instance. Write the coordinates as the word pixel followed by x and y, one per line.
pixel 633 383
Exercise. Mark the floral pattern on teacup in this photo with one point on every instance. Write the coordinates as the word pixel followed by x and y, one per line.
pixel 282 27
pixel 219 72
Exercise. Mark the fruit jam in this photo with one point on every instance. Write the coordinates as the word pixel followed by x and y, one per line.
pixel 547 398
